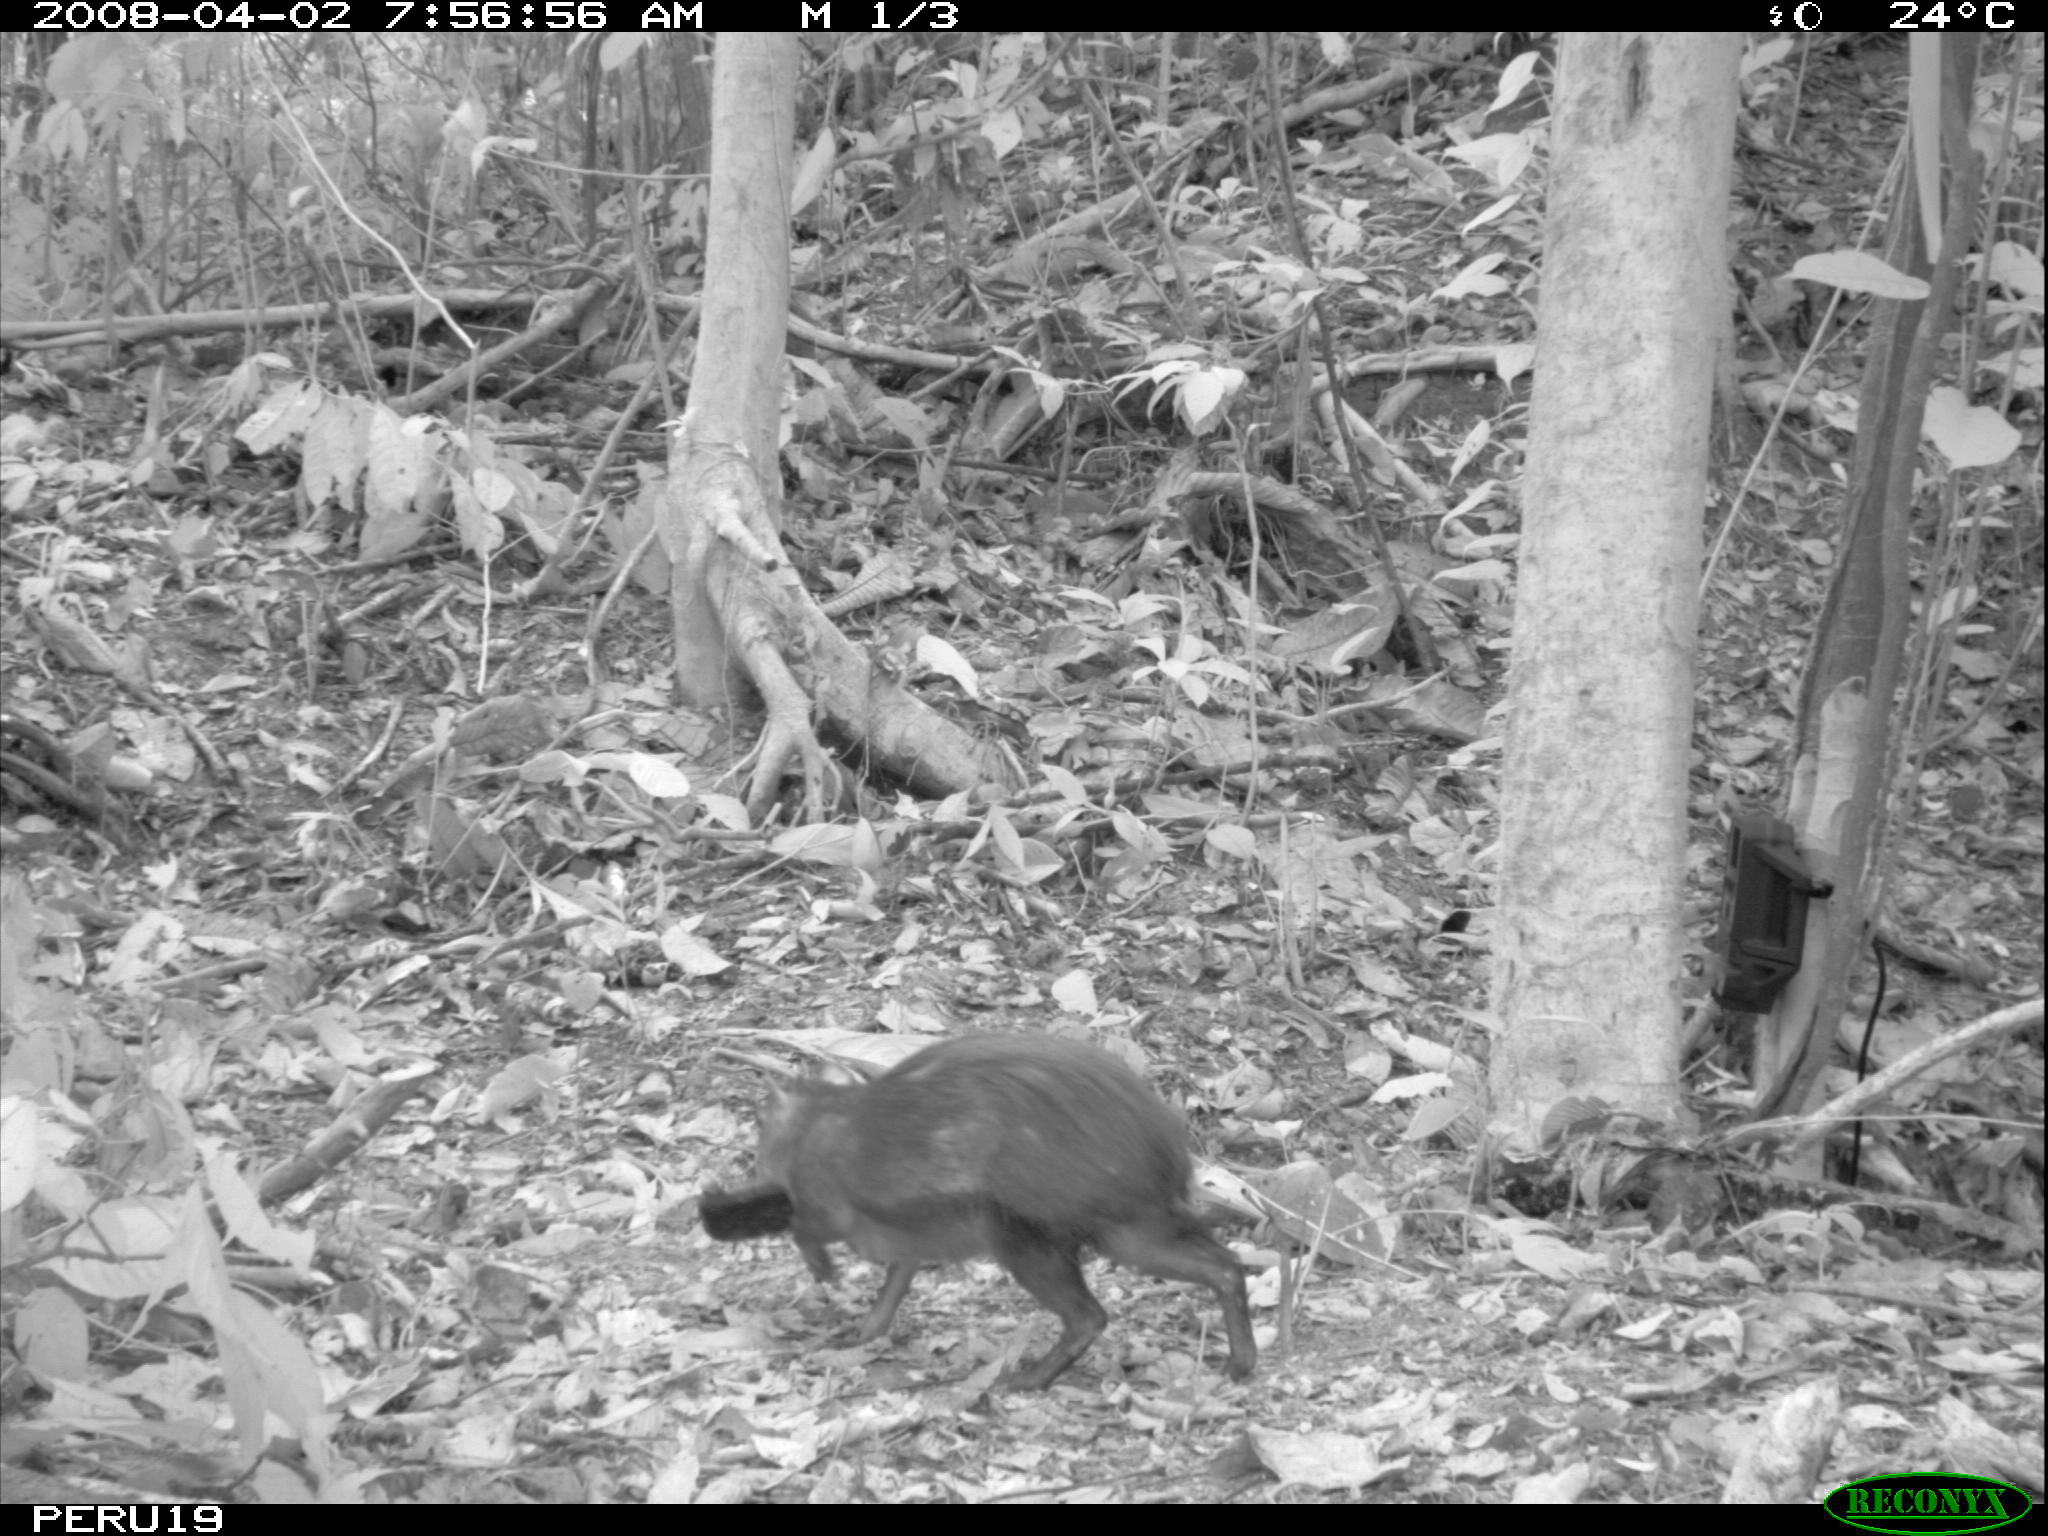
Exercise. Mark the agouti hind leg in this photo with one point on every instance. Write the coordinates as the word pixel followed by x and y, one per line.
pixel 1054 1277
pixel 1180 1248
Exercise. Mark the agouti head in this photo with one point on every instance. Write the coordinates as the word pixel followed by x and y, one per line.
pixel 1023 1147
pixel 731 1216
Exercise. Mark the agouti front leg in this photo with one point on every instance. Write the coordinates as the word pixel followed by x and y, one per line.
pixel 817 1253
pixel 883 1313
pixel 1054 1277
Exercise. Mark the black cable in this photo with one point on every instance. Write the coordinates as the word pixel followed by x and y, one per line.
pixel 1877 947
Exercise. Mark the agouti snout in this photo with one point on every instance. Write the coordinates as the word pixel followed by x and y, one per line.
pixel 1023 1147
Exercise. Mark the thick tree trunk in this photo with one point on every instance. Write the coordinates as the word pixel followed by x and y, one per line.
pixel 1594 803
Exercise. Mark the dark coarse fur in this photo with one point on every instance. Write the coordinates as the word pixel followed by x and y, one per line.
pixel 1024 1147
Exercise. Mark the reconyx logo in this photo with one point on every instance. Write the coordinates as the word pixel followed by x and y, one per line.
pixel 1947 1503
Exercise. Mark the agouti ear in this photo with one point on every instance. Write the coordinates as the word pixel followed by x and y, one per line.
pixel 782 1102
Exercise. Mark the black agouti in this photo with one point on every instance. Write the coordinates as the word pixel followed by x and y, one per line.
pixel 1024 1147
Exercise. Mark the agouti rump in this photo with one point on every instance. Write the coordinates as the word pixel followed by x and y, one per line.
pixel 1023 1147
